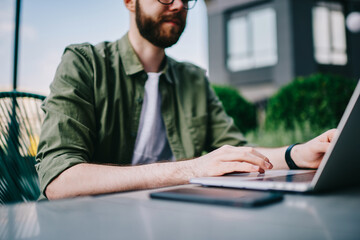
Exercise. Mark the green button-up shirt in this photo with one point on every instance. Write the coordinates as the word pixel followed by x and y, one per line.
pixel 93 111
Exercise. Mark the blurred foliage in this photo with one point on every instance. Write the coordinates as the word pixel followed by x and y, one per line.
pixel 318 100
pixel 282 136
pixel 298 112
pixel 237 107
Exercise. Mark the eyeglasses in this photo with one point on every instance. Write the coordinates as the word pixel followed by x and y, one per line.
pixel 188 4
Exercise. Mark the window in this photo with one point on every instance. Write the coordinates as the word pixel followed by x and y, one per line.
pixel 329 34
pixel 251 39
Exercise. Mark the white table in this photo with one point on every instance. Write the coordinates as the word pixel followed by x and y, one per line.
pixel 133 215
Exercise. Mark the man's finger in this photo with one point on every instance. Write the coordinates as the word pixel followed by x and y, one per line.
pixel 328 135
pixel 259 154
pixel 331 134
pixel 242 167
pixel 247 156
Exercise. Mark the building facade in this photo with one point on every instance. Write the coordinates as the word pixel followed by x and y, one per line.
pixel 259 45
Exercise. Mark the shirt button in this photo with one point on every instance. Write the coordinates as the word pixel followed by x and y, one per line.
pixel 139 100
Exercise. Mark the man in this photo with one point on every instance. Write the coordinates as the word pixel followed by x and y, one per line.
pixel 116 107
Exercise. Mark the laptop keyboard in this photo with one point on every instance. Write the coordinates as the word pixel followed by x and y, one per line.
pixel 302 177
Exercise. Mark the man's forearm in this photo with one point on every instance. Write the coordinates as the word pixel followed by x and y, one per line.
pixel 90 179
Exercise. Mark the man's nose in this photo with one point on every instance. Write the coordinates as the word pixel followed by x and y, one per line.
pixel 177 5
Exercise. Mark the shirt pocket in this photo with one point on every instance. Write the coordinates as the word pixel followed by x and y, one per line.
pixel 197 130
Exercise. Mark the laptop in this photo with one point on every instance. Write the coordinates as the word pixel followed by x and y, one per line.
pixel 339 168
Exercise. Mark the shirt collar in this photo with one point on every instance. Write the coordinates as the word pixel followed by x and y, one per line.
pixel 131 62
pixel 129 59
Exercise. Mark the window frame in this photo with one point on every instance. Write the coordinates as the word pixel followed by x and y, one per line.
pixel 245 11
pixel 331 6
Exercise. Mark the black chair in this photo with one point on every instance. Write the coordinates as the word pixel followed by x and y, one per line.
pixel 20 124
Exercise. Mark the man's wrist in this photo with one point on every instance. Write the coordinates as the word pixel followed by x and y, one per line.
pixel 296 156
pixel 289 157
pixel 186 170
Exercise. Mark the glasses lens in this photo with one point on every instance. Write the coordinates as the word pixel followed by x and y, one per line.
pixel 189 4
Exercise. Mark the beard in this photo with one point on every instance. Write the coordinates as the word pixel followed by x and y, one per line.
pixel 151 29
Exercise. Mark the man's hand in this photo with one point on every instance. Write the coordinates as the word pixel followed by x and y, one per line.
pixel 229 159
pixel 310 154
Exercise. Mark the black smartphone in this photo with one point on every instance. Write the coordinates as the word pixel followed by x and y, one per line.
pixel 220 196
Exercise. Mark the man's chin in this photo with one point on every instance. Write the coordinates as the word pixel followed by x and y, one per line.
pixel 165 44
pixel 168 39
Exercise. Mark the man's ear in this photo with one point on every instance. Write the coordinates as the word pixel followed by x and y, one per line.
pixel 130 4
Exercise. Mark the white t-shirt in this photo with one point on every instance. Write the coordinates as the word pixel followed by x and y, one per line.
pixel 151 142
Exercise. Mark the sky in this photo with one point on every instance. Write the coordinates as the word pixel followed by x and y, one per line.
pixel 47 27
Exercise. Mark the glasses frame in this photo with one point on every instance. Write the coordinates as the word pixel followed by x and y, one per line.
pixel 172 1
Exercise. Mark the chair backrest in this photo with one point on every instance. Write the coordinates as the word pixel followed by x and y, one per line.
pixel 20 123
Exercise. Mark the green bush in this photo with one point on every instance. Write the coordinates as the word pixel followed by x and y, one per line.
pixel 319 100
pixel 281 137
pixel 242 111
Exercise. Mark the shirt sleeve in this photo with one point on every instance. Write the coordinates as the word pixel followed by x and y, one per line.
pixel 68 130
pixel 222 128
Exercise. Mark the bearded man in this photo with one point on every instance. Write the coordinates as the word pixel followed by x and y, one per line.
pixel 122 115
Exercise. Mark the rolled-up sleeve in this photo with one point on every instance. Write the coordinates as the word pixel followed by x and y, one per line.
pixel 69 127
